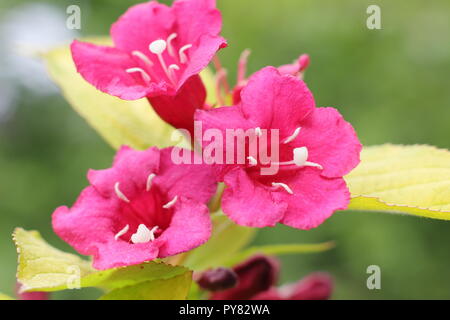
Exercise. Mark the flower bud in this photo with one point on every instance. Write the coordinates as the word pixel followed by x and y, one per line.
pixel 217 279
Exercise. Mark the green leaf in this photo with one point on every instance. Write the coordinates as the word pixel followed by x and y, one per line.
pixel 227 240
pixel 175 288
pixel 412 180
pixel 44 268
pixel 119 122
pixel 5 297
pixel 281 249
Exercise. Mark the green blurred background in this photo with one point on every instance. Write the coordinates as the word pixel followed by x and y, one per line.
pixel 391 84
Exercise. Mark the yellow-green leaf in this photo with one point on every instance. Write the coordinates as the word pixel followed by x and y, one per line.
pixel 119 122
pixel 43 267
pixel 175 288
pixel 227 240
pixel 411 180
pixel 5 297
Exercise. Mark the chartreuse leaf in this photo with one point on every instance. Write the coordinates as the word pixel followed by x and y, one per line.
pixel 227 240
pixel 5 297
pixel 119 122
pixel 44 268
pixel 281 249
pixel 175 288
pixel 412 180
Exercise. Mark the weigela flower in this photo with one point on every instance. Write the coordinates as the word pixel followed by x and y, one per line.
pixel 257 279
pixel 144 207
pixel 158 53
pixel 316 148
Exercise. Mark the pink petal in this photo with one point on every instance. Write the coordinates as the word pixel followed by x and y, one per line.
pixel 131 169
pixel 314 200
pixel 105 68
pixel 194 181
pixel 142 24
pixel 272 100
pixel 331 141
pixel 88 227
pixel 250 204
pixel 190 227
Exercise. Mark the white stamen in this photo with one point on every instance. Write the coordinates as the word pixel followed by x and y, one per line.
pixel 252 161
pixel 157 46
pixel 122 232
pixel 172 69
pixel 149 181
pixel 282 185
pixel 143 234
pixel 143 57
pixel 258 132
pixel 293 136
pixel 119 193
pixel 144 74
pixel 169 44
pixel 171 203
pixel 183 57
pixel 300 159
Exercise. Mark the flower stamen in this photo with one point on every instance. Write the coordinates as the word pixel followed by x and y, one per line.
pixel 171 203
pixel 300 159
pixel 182 54
pixel 144 234
pixel 148 185
pixel 282 185
pixel 293 136
pixel 122 232
pixel 169 44
pixel 144 74
pixel 258 132
pixel 143 57
pixel 252 161
pixel 119 193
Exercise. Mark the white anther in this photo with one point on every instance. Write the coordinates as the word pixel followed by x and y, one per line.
pixel 144 74
pixel 282 185
pixel 183 57
pixel 157 46
pixel 258 132
pixel 169 44
pixel 301 157
pixel 149 181
pixel 143 234
pixel 143 57
pixel 122 232
pixel 174 67
pixel 119 193
pixel 171 203
pixel 293 136
pixel 252 161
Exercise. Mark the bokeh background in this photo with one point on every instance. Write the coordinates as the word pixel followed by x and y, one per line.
pixel 391 84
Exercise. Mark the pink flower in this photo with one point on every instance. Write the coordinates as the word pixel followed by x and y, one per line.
pixel 158 52
pixel 297 68
pixel 144 207
pixel 316 147
pixel 257 279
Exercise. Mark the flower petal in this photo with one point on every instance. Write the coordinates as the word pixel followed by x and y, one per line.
pixel 331 141
pixel 105 68
pixel 272 100
pixel 250 204
pixel 142 24
pixel 315 198
pixel 190 227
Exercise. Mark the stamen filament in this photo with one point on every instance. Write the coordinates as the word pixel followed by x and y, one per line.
pixel 171 203
pixel 169 44
pixel 119 193
pixel 282 185
pixel 183 56
pixel 122 232
pixel 144 74
pixel 293 136
pixel 149 181
pixel 143 57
